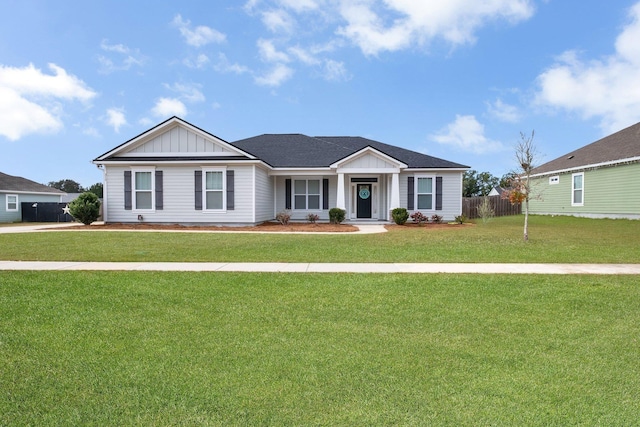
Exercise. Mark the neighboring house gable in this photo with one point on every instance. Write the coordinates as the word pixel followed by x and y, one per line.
pixel 176 172
pixel 597 180
pixel 15 190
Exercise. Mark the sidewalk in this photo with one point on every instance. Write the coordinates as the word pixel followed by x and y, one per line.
pixel 479 268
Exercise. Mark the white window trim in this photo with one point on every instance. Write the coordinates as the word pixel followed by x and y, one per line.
pixel 553 180
pixel 134 191
pixel 573 189
pixel 433 193
pixel 224 189
pixel 306 179
pixel 7 203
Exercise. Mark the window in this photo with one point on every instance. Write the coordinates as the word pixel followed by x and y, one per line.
pixel 143 189
pixel 12 202
pixel 578 189
pixel 214 190
pixel 306 194
pixel 424 193
pixel 554 180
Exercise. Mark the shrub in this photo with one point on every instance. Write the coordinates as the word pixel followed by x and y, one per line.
pixel 85 208
pixel 461 219
pixel 337 215
pixel 485 211
pixel 283 217
pixel 400 215
pixel 419 218
pixel 436 219
pixel 312 218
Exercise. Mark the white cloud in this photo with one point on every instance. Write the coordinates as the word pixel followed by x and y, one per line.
pixel 167 107
pixel 269 53
pixel 466 134
pixel 224 66
pixel 607 89
pixel 91 131
pixel 200 61
pixel 30 99
pixel 503 111
pixel 200 35
pixel 335 71
pixel 115 118
pixel 188 92
pixel 130 58
pixel 404 23
pixel 303 55
pixel 278 21
pixel 278 75
pixel 300 5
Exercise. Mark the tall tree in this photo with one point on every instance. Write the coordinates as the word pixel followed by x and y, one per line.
pixel 476 183
pixel 96 189
pixel 67 185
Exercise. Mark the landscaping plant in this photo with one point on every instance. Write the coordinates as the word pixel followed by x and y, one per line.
pixel 85 208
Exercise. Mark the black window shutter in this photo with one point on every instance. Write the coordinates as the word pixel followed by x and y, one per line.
pixel 438 193
pixel 159 189
pixel 287 197
pixel 325 193
pixel 127 190
pixel 230 190
pixel 198 188
pixel 410 193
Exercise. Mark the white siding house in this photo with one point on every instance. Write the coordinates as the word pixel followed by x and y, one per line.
pixel 179 173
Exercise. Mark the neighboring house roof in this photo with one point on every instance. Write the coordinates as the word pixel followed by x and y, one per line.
pixel 620 147
pixel 302 151
pixel 18 184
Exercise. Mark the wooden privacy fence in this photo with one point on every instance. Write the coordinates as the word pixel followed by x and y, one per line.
pixel 501 207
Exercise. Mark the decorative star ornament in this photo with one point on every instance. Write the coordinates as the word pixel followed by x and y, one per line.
pixel 65 210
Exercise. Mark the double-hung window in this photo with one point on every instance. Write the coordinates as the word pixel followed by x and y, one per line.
pixel 306 194
pixel 143 190
pixel 214 183
pixel 424 193
pixel 12 202
pixel 577 190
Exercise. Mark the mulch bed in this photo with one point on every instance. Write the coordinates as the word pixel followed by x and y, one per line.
pixel 264 227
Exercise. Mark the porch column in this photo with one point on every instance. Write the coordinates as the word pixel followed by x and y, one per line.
pixel 395 192
pixel 340 195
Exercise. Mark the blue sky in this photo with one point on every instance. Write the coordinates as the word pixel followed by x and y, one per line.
pixel 456 79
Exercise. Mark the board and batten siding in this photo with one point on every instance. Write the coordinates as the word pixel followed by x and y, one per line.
pixel 608 192
pixel 178 140
pixel 451 193
pixel 179 198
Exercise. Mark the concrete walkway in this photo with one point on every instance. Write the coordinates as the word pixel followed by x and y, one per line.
pixel 479 268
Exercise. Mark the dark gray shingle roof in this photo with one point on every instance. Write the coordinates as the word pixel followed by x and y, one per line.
pixel 297 150
pixel 621 145
pixel 17 183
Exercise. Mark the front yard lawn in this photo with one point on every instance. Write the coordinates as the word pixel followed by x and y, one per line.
pixel 134 348
pixel 552 240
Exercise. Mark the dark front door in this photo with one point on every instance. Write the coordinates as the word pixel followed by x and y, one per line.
pixel 364 201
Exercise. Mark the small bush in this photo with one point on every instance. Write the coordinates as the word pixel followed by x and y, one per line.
pixel 485 210
pixel 337 215
pixel 312 218
pixel 85 208
pixel 436 219
pixel 400 215
pixel 461 219
pixel 419 218
pixel 283 217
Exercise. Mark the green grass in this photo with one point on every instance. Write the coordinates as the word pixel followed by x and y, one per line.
pixel 116 348
pixel 552 239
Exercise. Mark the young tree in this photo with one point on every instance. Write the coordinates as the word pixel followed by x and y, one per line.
pixel 520 192
pixel 85 208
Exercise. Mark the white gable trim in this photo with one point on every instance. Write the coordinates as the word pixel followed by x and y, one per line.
pixel 164 127
pixel 372 151
pixel 590 166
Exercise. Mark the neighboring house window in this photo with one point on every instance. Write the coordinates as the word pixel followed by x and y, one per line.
pixel 554 180
pixel 143 190
pixel 12 202
pixel 424 193
pixel 578 189
pixel 306 194
pixel 214 190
